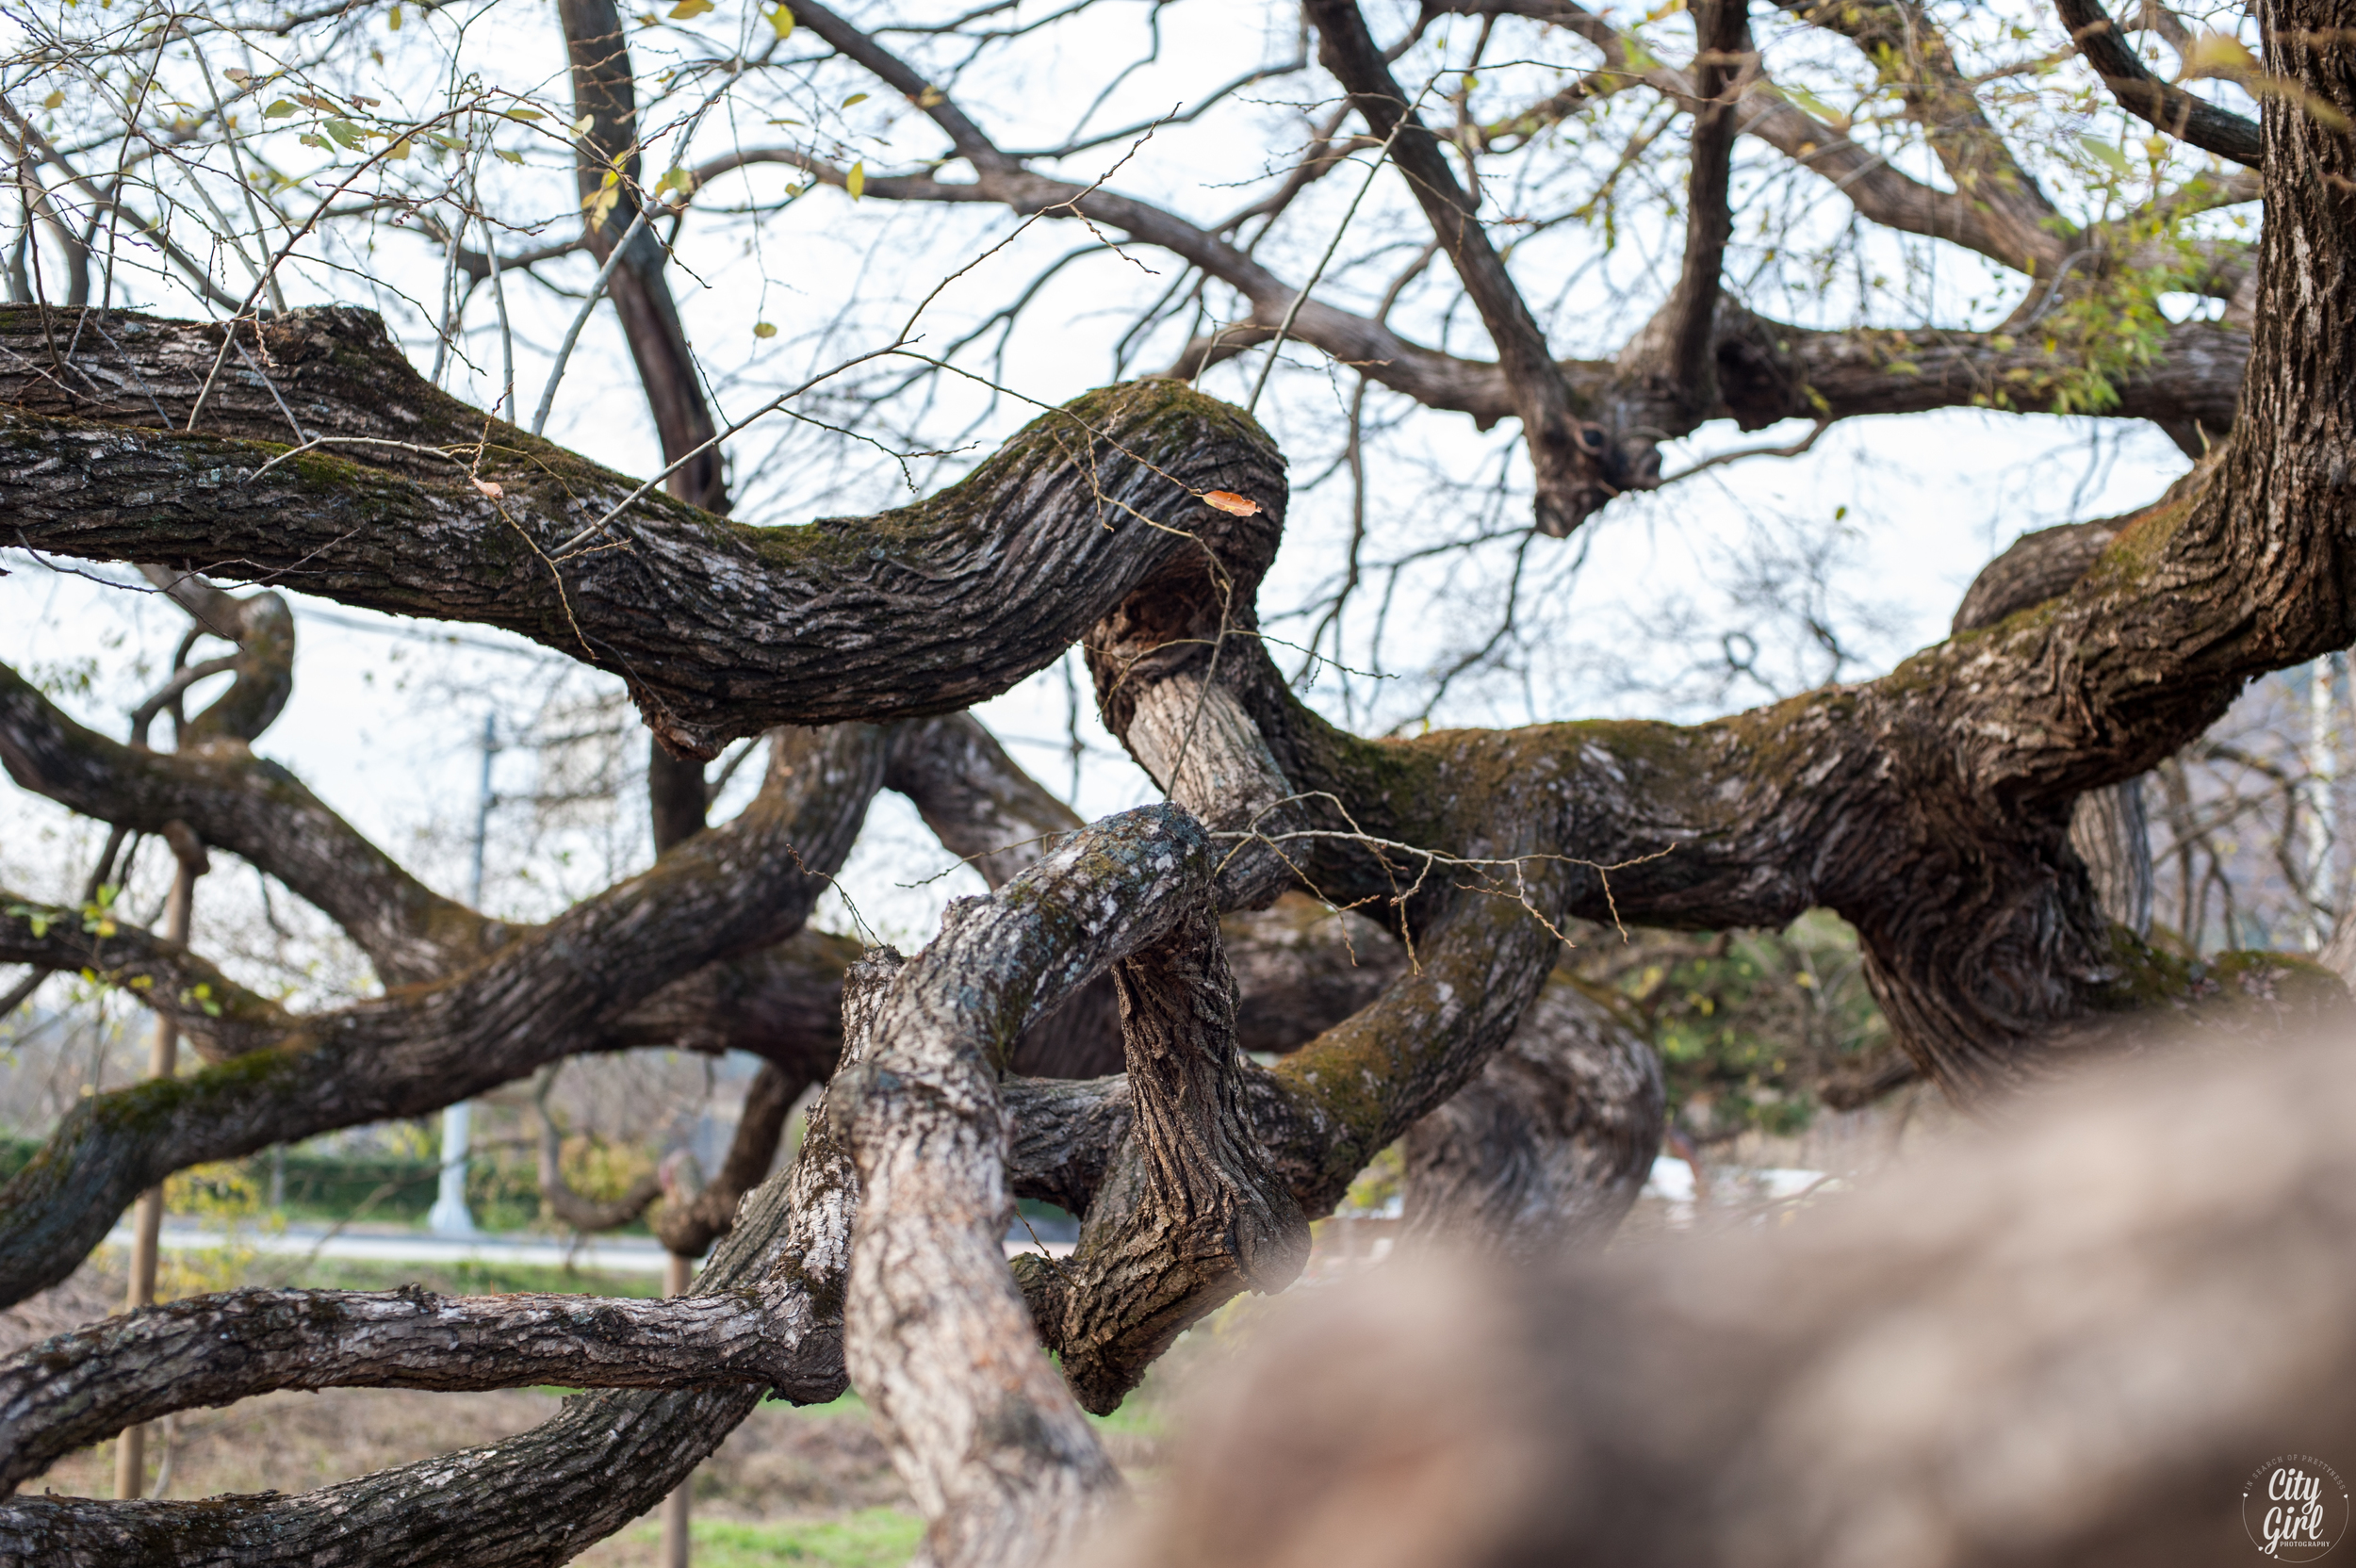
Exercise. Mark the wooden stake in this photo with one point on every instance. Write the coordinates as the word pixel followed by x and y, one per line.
pixel 163 1060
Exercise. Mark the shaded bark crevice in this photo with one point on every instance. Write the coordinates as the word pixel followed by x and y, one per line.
pixel 1189 1212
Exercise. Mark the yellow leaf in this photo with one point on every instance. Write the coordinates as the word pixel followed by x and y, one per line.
pixel 54 99
pixel 392 23
pixel 2216 55
pixel 856 181
pixel 398 150
pixel 855 98
pixel 687 10
pixel 763 329
pixel 1231 503
pixel 782 20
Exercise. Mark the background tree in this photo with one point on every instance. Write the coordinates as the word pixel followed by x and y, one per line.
pixel 1930 808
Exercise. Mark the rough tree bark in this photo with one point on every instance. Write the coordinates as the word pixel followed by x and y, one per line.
pixel 1097 495
pixel 1548 1148
pixel 942 1342
pixel 2057 1343
pixel 1188 1213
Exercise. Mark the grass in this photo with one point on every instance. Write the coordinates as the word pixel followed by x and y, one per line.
pixel 873 1538
pixel 466 1279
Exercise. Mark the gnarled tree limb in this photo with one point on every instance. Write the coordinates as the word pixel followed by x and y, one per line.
pixel 1548 1148
pixel 736 888
pixel 540 1497
pixel 1032 548
pixel 84 1386
pixel 253 808
pixel 998 1456
pixel 1191 1213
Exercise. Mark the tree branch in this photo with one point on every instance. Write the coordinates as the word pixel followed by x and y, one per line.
pixel 256 808
pixel 2149 99
pixel 83 1387
pixel 688 1228
pixel 604 92
pixel 1548 1148
pixel 1721 36
pixel 1569 455
pixel 221 1018
pixel 1190 1213
pixel 736 888
pixel 1908 53
pixel 938 1338
pixel 540 1497
pixel 414 530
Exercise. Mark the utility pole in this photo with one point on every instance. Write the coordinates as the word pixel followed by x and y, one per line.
pixel 450 1215
pixel 2320 792
pixel 678 1274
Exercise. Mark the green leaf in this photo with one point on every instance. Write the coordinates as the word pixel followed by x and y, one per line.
pixel 279 110
pixel 2108 155
pixel 526 115
pixel 855 98
pixel 509 154
pixel 343 131
pixel 856 181
pixel 1809 102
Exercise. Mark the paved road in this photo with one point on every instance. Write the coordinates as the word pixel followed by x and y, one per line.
pixel 600 1254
